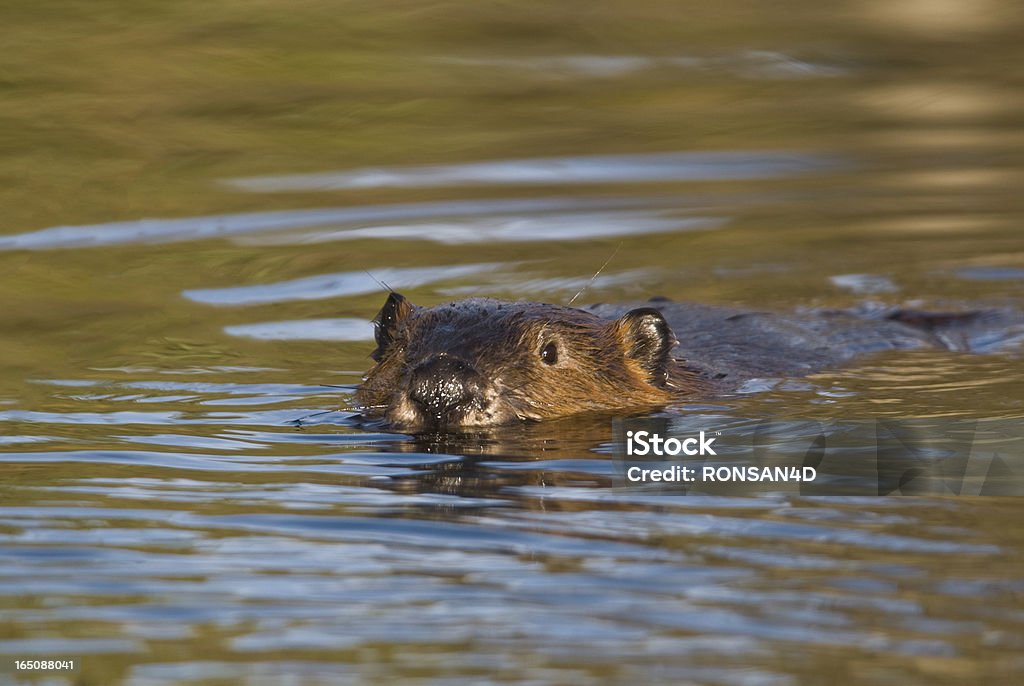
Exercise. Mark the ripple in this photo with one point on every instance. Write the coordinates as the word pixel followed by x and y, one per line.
pixel 864 283
pixel 569 227
pixel 333 285
pixel 192 386
pixel 203 442
pixel 992 273
pixel 756 64
pixel 650 168
pixel 52 647
pixel 341 329
pixel 278 417
pixel 226 225
pixel 353 464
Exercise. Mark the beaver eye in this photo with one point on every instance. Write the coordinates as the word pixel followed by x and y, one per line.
pixel 549 354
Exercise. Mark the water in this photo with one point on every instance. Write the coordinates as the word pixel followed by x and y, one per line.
pixel 193 196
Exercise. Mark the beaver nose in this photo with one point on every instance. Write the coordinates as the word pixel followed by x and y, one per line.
pixel 440 385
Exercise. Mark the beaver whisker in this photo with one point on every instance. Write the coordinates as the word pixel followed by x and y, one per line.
pixel 387 289
pixel 596 274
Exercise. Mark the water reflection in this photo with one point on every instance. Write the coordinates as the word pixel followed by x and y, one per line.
pixel 333 285
pixel 344 329
pixel 680 166
pixel 864 283
pixel 518 229
pixel 753 64
pixel 221 226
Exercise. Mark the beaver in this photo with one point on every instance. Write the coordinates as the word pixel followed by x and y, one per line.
pixel 482 362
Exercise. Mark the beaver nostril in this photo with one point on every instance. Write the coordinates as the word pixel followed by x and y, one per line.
pixel 440 385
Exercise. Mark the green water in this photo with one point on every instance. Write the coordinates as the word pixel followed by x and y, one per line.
pixel 192 195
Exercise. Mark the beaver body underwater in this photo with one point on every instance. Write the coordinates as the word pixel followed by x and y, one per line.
pixel 483 362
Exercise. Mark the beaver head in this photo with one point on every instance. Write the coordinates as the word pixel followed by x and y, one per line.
pixel 484 362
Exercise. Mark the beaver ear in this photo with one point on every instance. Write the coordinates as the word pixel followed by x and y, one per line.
pixel 647 338
pixel 385 324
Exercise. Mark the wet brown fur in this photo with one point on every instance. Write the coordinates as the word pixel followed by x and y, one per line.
pixel 602 364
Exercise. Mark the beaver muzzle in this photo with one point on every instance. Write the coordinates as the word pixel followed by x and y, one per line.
pixel 442 388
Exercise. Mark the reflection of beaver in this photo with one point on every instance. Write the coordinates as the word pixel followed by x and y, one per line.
pixel 483 362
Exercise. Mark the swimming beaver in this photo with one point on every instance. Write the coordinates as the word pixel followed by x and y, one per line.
pixel 484 362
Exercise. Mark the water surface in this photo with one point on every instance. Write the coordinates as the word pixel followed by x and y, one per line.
pixel 194 194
